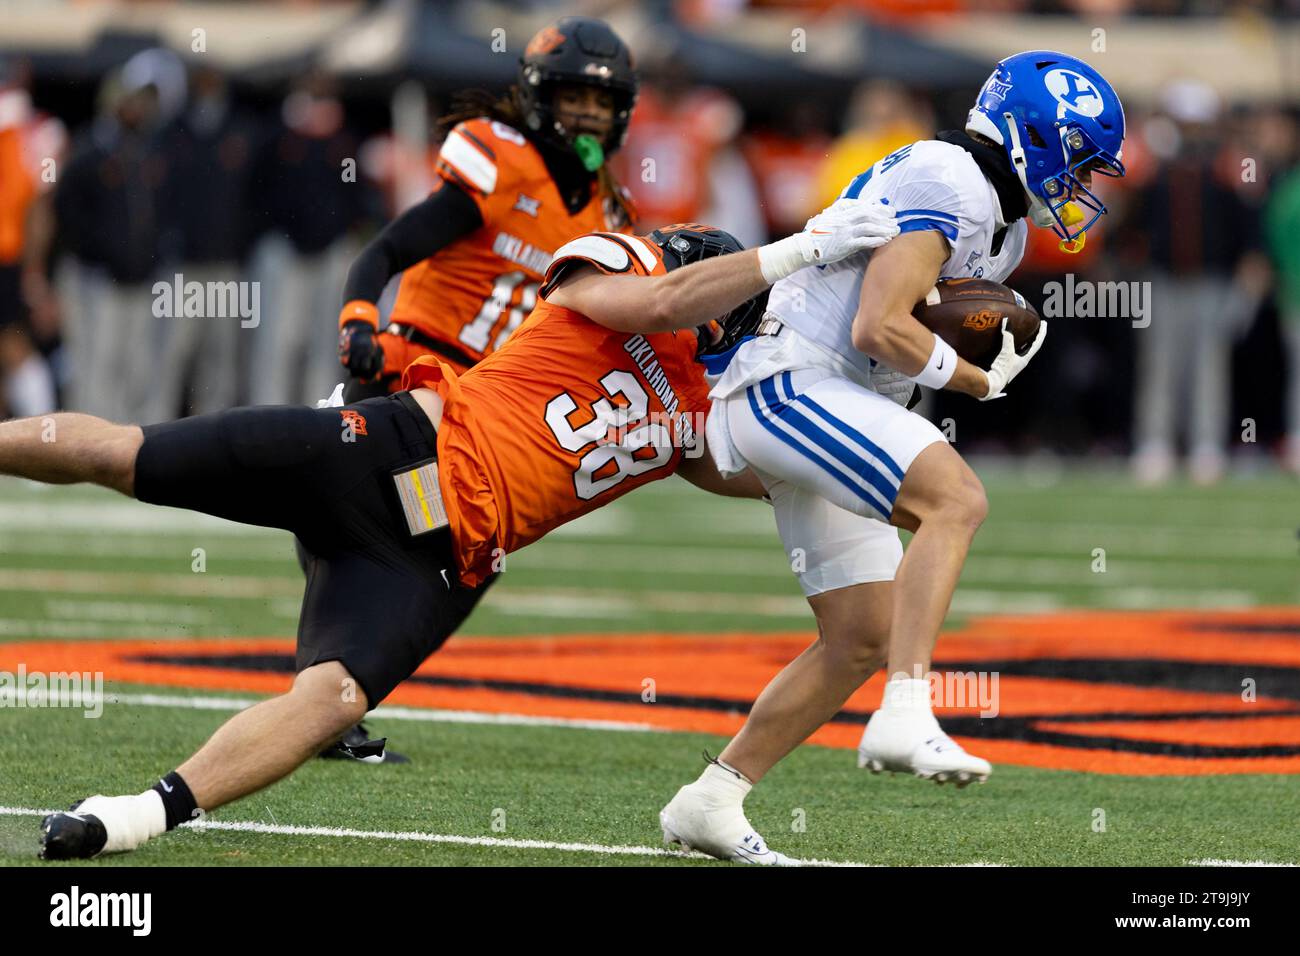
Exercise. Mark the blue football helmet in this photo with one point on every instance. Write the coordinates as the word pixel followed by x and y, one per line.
pixel 1057 118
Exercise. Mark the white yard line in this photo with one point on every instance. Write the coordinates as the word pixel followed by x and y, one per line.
pixel 24 628
pixel 620 603
pixel 200 702
pixel 58 609
pixel 175 548
pixel 248 826
pixel 1213 862
pixel 117 514
pixel 184 584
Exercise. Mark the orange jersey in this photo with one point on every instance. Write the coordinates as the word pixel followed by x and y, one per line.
pixel 569 417
pixel 786 169
pixel 670 149
pixel 475 292
pixel 28 141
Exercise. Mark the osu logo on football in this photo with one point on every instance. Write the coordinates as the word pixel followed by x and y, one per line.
pixel 982 320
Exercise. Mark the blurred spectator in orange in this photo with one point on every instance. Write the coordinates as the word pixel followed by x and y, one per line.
pixel 705 13
pixel 786 162
pixel 883 117
pixel 678 133
pixel 31 148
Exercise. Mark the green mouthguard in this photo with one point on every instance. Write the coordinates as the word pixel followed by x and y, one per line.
pixel 590 152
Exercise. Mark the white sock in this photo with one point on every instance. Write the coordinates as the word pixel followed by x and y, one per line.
pixel 129 821
pixel 724 783
pixel 907 695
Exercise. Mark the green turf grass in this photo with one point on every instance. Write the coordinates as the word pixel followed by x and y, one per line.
pixel 665 558
pixel 574 785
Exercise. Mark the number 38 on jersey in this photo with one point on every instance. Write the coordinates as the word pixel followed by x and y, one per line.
pixel 619 438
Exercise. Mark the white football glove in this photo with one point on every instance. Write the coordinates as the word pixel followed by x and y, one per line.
pixel 1008 364
pixel 845 227
pixel 894 385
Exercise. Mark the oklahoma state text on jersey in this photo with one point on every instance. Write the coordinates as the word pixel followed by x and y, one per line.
pixel 569 417
pixel 475 292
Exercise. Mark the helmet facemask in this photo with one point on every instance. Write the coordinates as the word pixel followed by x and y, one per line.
pixel 1057 202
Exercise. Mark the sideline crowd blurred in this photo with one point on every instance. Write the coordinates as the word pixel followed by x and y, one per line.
pixel 176 180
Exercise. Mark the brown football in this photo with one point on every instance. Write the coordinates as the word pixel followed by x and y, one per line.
pixel 968 313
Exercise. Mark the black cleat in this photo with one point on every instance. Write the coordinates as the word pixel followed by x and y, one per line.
pixel 357 745
pixel 72 836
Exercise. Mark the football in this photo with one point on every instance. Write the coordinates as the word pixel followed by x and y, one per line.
pixel 968 313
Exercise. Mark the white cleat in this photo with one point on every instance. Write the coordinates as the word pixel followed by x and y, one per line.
pixel 914 743
pixel 699 822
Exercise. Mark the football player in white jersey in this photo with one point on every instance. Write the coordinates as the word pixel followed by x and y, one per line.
pixel 814 405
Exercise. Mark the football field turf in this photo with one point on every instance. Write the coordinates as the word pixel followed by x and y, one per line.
pixel 584 689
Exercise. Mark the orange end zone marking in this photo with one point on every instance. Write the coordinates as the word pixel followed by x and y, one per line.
pixel 1060 718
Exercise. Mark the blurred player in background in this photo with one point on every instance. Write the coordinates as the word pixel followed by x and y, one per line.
pixel 1207 273
pixel 108 220
pixel 1282 226
pixel 204 205
pixel 682 152
pixel 310 213
pixel 520 176
pixel 806 405
pixel 883 116
pixel 602 391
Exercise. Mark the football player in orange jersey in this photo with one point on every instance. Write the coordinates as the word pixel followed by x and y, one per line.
pixel 406 498
pixel 520 177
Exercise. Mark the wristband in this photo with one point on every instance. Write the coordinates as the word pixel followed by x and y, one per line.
pixel 780 259
pixel 939 370
pixel 359 310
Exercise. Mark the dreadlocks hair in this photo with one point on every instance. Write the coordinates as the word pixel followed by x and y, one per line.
pixel 471 104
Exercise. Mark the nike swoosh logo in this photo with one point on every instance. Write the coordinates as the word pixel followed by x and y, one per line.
pixel 940 365
pixel 164 786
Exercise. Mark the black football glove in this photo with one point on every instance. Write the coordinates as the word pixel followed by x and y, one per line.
pixel 359 351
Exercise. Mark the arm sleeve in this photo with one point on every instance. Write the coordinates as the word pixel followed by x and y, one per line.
pixel 928 205
pixel 442 218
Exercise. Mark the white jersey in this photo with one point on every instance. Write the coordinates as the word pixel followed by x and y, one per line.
pixel 930 185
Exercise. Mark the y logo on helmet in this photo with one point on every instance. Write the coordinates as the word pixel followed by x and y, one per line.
pixel 1075 92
